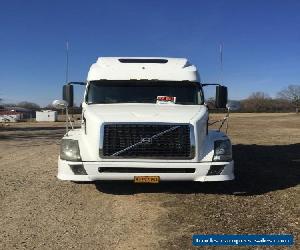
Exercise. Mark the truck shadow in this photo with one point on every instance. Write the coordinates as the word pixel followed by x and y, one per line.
pixel 259 169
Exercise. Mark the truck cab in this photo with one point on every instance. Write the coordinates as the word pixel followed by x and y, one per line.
pixel 145 120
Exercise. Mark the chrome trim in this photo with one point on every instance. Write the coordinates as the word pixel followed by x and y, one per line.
pixel 176 125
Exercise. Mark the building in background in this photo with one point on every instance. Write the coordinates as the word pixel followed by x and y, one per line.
pixel 9 116
pixel 15 114
pixel 46 116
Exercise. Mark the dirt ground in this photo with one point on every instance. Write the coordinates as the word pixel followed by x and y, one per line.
pixel 37 211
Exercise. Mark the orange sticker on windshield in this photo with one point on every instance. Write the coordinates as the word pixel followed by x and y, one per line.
pixel 165 99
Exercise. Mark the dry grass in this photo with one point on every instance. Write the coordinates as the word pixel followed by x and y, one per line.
pixel 38 211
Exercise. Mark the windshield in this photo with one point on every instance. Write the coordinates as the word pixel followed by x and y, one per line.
pixel 186 93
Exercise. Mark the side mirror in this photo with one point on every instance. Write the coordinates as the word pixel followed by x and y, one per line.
pixel 221 97
pixel 68 94
pixel 59 104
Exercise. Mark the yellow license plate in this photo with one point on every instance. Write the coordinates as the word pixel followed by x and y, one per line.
pixel 146 179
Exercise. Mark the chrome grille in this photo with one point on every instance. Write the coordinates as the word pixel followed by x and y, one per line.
pixel 159 141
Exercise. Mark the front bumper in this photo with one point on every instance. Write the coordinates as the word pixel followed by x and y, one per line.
pixel 202 171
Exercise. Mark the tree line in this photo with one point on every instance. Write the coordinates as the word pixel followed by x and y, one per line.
pixel 35 107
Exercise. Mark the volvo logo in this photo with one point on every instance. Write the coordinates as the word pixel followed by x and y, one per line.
pixel 146 140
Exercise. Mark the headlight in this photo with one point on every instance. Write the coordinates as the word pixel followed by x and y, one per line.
pixel 223 150
pixel 69 150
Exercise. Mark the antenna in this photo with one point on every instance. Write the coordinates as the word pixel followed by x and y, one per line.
pixel 221 61
pixel 67 76
pixel 67 61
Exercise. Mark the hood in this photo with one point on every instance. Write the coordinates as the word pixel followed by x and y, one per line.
pixel 133 112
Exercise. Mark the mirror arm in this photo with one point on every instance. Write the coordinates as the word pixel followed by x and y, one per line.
pixel 76 83
pixel 222 121
pixel 211 84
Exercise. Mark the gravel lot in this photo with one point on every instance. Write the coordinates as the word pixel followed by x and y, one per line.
pixel 39 211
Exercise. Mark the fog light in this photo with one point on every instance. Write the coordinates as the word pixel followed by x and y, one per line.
pixel 215 169
pixel 78 169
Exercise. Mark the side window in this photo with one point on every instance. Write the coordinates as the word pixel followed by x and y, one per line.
pixel 87 93
pixel 201 96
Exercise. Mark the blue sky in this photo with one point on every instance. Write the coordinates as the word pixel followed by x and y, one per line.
pixel 261 41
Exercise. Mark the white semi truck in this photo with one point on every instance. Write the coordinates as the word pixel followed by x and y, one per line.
pixel 144 120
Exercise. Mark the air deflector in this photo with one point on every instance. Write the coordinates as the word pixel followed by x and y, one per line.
pixel 141 60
